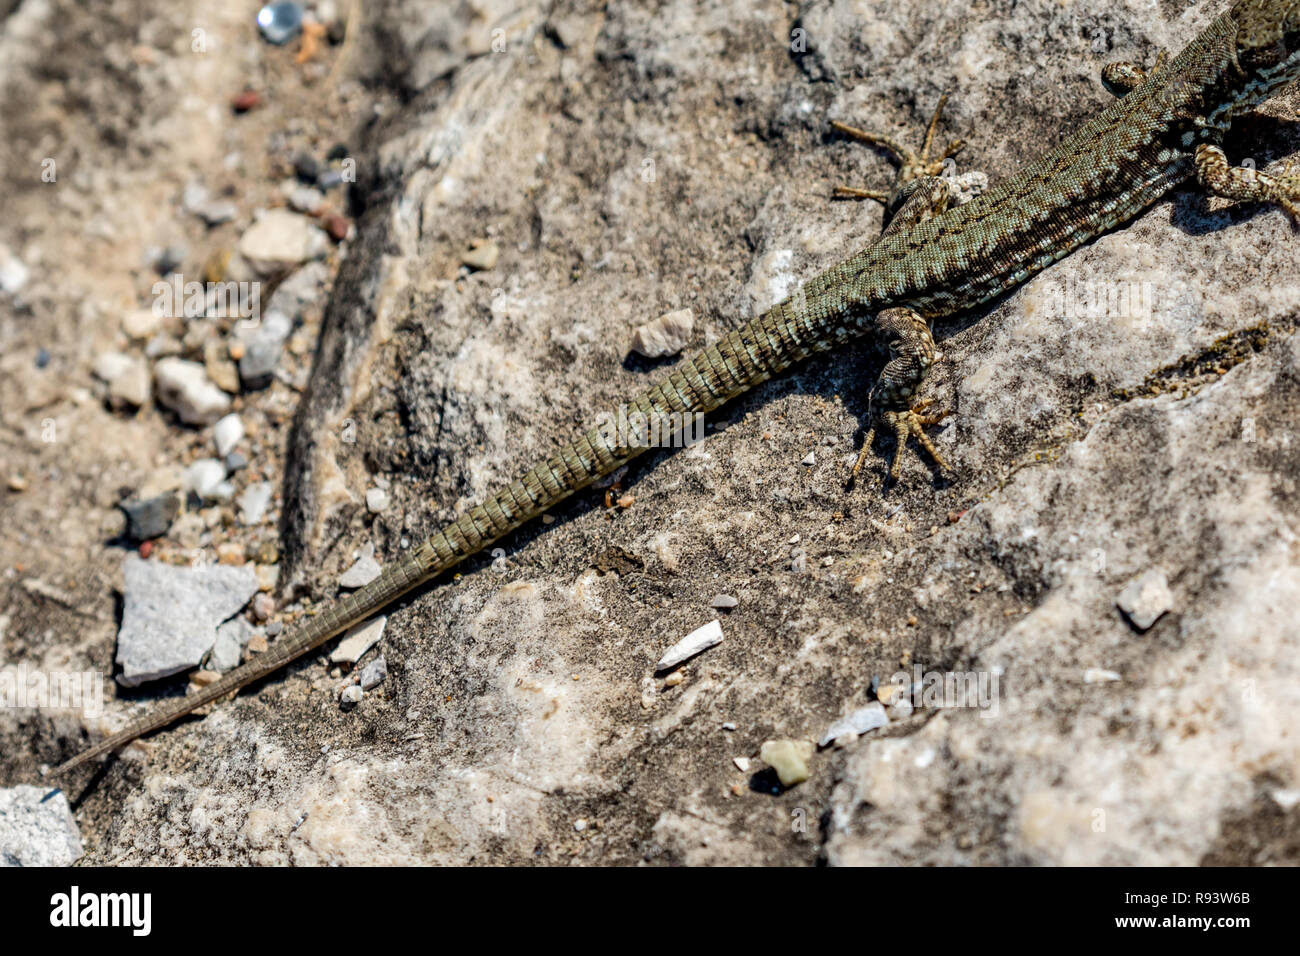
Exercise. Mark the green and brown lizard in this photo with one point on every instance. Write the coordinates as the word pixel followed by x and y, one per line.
pixel 1168 125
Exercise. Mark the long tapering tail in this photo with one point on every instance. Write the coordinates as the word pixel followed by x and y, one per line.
pixel 742 359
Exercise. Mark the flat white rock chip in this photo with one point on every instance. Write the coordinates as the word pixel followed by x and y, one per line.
pixel 253 502
pixel 1145 598
pixel 700 639
pixel 185 388
pixel 871 717
pixel 170 614
pixel 365 570
pixel 280 240
pixel 359 640
pixel 37 828
pixel 666 335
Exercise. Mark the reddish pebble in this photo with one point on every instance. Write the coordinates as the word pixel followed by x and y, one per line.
pixel 146 548
pixel 337 226
pixel 245 101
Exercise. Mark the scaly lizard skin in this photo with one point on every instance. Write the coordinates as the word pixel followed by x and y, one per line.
pixel 1167 126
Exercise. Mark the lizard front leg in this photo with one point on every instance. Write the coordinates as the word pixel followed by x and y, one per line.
pixel 912 166
pixel 1123 77
pixel 1242 182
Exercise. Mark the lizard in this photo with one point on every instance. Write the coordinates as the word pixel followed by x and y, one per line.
pixel 933 259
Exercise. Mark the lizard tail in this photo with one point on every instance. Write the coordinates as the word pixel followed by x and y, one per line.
pixel 745 357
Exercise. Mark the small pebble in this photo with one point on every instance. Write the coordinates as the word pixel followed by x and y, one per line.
pixel 1145 599
pixel 245 101
pixel 305 167
pixel 1096 675
pixel 374 673
pixel 263 606
pixel 280 22
pixel 351 696
pixel 253 502
pixel 376 500
pixel 666 335
pixel 185 388
pixel 723 601
pixel 789 758
pixel 481 255
pixel 205 477
pixel 226 434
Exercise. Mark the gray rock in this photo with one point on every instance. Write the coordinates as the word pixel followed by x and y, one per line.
pixel 302 289
pixel 150 517
pixel 170 614
pixel 374 673
pixel 258 363
pixel 37 828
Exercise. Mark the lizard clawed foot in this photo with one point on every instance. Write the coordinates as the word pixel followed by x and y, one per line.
pixel 1248 183
pixel 905 424
pixel 912 165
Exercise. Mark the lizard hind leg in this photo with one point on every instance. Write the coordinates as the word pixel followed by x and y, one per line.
pixel 1246 183
pixel 912 352
pixel 911 165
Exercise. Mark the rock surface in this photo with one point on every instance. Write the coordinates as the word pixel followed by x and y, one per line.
pixel 37 828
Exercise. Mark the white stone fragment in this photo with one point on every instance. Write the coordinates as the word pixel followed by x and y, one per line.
pixel 185 388
pixel 1146 598
pixel 363 571
pixel 870 717
pixel 700 639
pixel 358 640
pixel 666 335
pixel 205 477
pixel 1098 675
pixel 227 433
pixel 253 502
pixel 281 239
